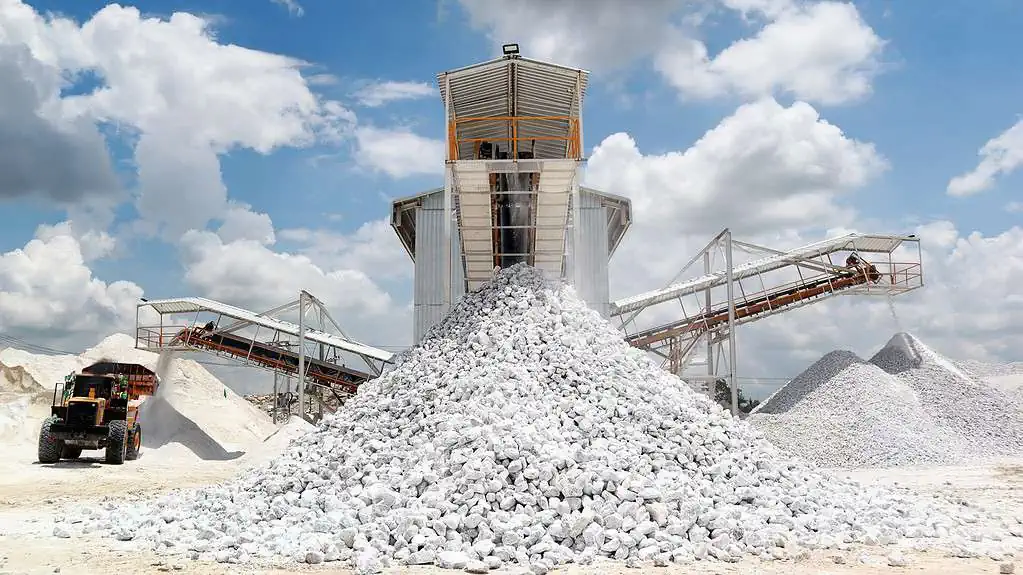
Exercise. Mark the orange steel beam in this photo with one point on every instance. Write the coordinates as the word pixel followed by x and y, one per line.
pixel 197 342
pixel 648 338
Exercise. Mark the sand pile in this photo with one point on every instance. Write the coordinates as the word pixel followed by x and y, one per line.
pixel 192 414
pixel 20 415
pixel 21 371
pixel 524 430
pixel 908 405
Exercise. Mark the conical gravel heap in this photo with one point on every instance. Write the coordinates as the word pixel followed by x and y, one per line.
pixel 988 418
pixel 523 429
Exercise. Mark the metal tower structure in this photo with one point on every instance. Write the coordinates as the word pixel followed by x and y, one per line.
pixel 711 306
pixel 317 355
pixel 514 134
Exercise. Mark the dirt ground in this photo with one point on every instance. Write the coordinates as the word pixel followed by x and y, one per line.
pixel 31 494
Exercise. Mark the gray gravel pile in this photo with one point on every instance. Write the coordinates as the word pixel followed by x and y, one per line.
pixel 989 418
pixel 524 430
pixel 908 405
pixel 822 371
pixel 858 416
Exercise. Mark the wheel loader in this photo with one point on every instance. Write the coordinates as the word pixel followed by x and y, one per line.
pixel 97 409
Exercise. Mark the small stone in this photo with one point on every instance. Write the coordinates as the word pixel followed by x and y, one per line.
pixel 476 567
pixel 838 559
pixel 1007 568
pixel 452 560
pixel 897 559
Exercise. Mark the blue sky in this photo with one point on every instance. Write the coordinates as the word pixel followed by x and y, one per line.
pixel 948 83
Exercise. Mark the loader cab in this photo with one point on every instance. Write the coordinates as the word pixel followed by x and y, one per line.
pixel 90 400
pixel 92 386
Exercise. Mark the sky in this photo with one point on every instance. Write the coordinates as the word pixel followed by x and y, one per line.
pixel 186 148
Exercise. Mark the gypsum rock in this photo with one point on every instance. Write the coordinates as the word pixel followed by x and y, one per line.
pixel 906 406
pixel 523 429
pixel 862 417
pixel 988 418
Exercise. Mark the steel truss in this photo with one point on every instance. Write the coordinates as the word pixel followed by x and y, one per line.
pixel 711 306
pixel 315 355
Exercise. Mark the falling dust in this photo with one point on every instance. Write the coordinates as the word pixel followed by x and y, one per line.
pixel 164 363
pixel 895 316
pixel 165 424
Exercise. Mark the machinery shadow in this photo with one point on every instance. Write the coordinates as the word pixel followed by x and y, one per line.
pixel 80 463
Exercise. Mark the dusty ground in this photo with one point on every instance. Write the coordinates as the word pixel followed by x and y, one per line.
pixel 31 494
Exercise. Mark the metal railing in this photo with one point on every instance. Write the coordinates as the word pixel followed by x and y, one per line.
pixel 521 129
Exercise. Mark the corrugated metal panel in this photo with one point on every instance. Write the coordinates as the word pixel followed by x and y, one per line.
pixel 591 273
pixel 428 296
pixel 181 305
pixel 429 306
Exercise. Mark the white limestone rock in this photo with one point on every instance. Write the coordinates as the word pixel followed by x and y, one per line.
pixel 524 430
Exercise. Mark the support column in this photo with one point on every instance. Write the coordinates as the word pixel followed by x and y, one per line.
pixel 301 355
pixel 732 383
pixel 451 131
pixel 276 397
pixel 712 385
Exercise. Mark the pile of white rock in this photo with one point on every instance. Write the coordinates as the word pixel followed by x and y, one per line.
pixel 990 419
pixel 908 405
pixel 524 430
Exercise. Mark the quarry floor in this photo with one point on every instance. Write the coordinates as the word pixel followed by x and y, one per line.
pixel 31 494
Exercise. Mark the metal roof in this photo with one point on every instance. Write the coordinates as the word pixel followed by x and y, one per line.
pixel 867 243
pixel 199 304
pixel 619 216
pixel 403 219
pixel 514 86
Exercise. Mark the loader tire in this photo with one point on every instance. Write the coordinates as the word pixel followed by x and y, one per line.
pixel 70 452
pixel 50 447
pixel 117 442
pixel 134 444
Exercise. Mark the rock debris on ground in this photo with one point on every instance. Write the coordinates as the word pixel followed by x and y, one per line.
pixel 907 405
pixel 524 430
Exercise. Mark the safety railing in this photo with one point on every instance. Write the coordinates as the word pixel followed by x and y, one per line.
pixel 903 276
pixel 521 128
pixel 157 336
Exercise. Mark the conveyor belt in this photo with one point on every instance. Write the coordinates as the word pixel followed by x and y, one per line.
pixel 747 310
pixel 317 371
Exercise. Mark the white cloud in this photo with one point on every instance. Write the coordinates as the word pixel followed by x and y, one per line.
pixel 765 168
pixel 241 223
pixel 249 274
pixel 399 153
pixel 1000 156
pixel 373 247
pixel 47 288
pixel 1014 207
pixel 380 93
pixel 592 34
pixel 818 51
pixel 822 52
pixel 184 96
pixel 293 7
pixel 93 244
